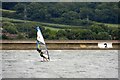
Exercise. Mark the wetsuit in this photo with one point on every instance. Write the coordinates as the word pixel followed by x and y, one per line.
pixel 41 53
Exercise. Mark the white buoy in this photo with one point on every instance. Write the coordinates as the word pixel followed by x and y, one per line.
pixel 105 45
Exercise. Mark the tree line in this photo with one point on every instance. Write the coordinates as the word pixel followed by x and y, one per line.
pixel 84 14
pixel 94 32
pixel 72 13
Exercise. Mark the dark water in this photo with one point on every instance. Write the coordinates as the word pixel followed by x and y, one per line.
pixel 63 64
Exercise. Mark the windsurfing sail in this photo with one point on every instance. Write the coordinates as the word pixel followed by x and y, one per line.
pixel 41 43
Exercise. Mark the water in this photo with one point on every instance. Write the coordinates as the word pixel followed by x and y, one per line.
pixel 63 64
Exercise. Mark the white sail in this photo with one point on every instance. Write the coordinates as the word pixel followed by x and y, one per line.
pixel 39 36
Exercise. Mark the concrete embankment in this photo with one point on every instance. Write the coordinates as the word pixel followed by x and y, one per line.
pixel 62 44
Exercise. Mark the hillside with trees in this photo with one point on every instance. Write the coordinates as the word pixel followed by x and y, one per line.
pixel 72 21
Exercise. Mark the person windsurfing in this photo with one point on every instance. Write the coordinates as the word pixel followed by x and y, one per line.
pixel 42 55
pixel 40 40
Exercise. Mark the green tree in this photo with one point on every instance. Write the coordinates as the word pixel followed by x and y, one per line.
pixel 115 34
pixel 4 37
pixel 9 28
pixel 86 35
pixel 103 36
pixel 21 36
pixel 96 28
pixel 61 34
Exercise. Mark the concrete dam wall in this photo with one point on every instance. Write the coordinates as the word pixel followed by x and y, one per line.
pixel 62 44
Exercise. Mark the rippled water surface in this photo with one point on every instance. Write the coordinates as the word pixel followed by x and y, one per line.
pixel 63 64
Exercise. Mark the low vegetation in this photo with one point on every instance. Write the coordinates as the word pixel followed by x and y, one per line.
pixel 66 21
pixel 26 30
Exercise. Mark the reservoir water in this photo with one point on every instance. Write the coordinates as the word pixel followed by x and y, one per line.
pixel 63 64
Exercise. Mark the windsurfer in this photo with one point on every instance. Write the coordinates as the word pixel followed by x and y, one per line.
pixel 41 44
pixel 42 55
